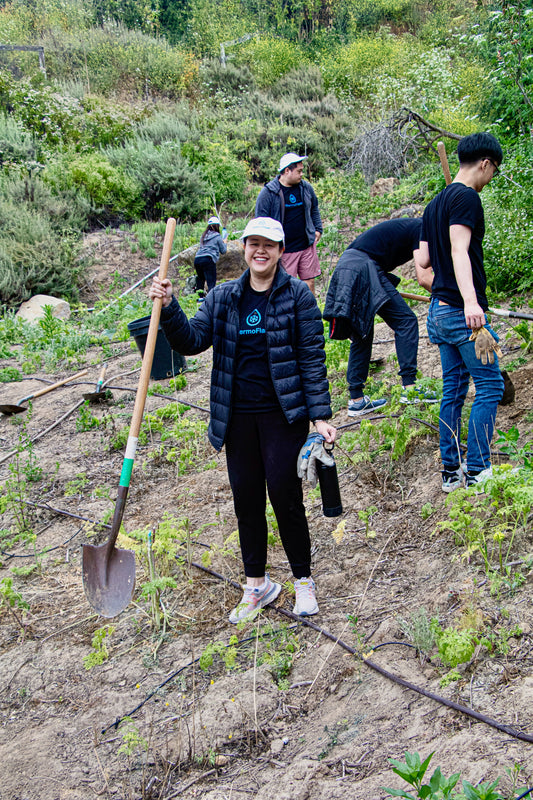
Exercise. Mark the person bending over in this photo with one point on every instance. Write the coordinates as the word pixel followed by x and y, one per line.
pixel 363 285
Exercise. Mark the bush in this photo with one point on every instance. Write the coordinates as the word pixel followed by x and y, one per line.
pixel 16 145
pixel 66 210
pixel 225 175
pixel 113 195
pixel 170 185
pixel 162 127
pixel 112 58
pixel 215 78
pixel 33 258
pixel 300 84
pixel 270 59
pixel 508 243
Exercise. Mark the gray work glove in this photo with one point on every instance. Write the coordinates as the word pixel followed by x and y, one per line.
pixel 486 345
pixel 313 451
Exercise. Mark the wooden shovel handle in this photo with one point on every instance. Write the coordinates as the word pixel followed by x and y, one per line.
pixel 144 379
pixel 441 149
pixel 56 385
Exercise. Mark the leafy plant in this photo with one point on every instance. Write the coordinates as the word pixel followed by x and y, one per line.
pixel 420 630
pixel 99 652
pixel 12 599
pixel 228 652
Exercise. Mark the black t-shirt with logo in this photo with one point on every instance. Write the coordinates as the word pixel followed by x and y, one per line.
pixel 457 204
pixel 294 220
pixel 253 387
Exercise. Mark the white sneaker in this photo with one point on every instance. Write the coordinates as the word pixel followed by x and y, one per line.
pixel 306 604
pixel 253 599
pixel 479 479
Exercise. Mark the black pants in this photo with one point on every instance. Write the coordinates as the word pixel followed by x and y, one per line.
pixel 398 316
pixel 264 448
pixel 206 272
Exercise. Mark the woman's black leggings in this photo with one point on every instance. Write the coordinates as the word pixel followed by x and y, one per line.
pixel 206 272
pixel 263 448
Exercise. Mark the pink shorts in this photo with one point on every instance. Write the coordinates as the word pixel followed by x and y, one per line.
pixel 303 264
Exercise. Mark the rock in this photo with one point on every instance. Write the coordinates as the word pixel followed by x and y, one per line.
pixel 33 309
pixel 276 746
pixel 230 265
pixel 383 186
pixel 412 211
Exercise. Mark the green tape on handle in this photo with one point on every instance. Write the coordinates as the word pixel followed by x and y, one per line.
pixel 125 475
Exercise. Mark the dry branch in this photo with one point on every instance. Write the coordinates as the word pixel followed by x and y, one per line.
pixel 387 148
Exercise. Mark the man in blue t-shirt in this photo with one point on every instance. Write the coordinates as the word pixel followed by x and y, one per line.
pixel 453 227
pixel 293 202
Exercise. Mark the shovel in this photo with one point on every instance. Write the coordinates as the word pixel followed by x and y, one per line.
pixel 99 395
pixel 18 408
pixel 109 572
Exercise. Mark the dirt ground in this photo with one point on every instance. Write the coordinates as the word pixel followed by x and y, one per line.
pixel 328 728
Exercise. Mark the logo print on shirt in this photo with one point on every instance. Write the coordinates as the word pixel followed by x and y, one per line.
pixel 292 198
pixel 253 318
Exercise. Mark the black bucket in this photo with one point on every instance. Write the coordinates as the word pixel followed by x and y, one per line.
pixel 167 362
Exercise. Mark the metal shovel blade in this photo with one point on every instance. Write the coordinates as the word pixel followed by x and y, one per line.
pixel 108 579
pixel 8 410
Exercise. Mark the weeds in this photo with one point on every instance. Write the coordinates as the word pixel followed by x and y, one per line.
pixel 12 599
pixel 413 772
pixel 99 652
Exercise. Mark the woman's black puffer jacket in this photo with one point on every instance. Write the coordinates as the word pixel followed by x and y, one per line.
pixel 295 344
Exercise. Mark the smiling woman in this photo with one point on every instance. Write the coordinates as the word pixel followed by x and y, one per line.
pixel 268 382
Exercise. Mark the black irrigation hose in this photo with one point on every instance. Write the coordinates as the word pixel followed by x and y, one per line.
pixel 372 664
pixel 170 398
pixel 42 552
pixel 148 697
pixel 529 791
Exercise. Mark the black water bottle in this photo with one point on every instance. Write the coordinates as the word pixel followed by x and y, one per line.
pixel 329 487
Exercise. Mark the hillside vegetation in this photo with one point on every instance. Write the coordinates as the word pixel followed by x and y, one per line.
pixel 136 117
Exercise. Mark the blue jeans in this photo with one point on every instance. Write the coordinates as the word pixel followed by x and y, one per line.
pixel 447 327
pixel 398 316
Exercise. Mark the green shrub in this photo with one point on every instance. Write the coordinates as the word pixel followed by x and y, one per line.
pixel 66 210
pixel 508 243
pixel 225 175
pixel 301 84
pixel 170 185
pixel 112 58
pixel 33 258
pixel 270 58
pixel 16 144
pixel 231 79
pixel 46 114
pixel 112 194
pixel 177 125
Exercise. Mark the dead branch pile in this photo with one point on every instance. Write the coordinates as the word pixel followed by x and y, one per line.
pixel 386 149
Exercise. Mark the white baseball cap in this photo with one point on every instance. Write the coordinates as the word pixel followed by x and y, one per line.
pixel 288 159
pixel 213 221
pixel 265 226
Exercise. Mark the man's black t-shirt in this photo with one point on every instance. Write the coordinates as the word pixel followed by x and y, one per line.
pixel 253 388
pixel 294 219
pixel 457 204
pixel 390 243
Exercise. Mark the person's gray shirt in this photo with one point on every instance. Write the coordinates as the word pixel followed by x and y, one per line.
pixel 212 247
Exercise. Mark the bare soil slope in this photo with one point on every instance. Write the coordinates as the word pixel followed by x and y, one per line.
pixel 322 727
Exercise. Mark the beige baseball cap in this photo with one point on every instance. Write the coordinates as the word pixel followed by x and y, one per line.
pixel 265 226
pixel 288 159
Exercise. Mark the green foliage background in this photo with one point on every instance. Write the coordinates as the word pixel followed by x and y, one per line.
pixel 138 118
